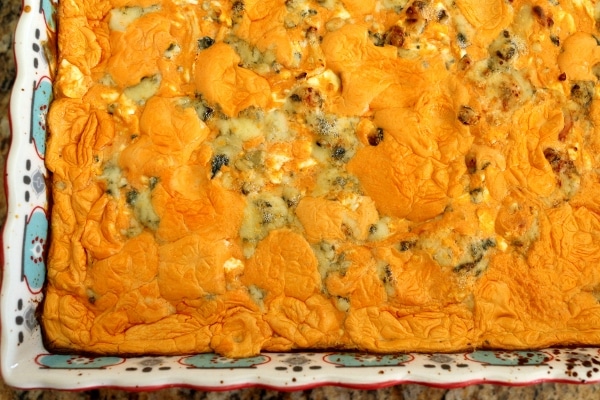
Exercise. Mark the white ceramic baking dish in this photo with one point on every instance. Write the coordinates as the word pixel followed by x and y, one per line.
pixel 26 364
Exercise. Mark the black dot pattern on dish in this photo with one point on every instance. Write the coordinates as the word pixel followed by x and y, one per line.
pixel 26 320
pixel 27 180
pixel 36 48
pixel 19 321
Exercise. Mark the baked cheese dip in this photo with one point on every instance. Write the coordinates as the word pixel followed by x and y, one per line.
pixel 374 175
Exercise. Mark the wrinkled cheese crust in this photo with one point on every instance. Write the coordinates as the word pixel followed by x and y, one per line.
pixel 383 175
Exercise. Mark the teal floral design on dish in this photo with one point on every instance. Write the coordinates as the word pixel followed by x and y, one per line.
pixel 509 358
pixel 42 96
pixel 64 361
pixel 367 360
pixel 48 8
pixel 214 361
pixel 34 250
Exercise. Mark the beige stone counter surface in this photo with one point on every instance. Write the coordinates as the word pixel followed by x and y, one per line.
pixel 9 12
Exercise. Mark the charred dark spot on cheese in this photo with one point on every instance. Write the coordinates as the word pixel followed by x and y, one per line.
pixel 253 113
pixel 346 230
pixel 442 15
pixel 471 163
pixel 466 266
pixel 386 275
pixel 476 195
pixel 468 116
pixel 555 40
pixel 564 133
pixel 237 8
pixel 338 153
pixel 152 182
pixel 464 63
pixel 340 181
pixel 376 137
pixel 582 93
pixel 309 13
pixel 377 38
pixel 507 51
pixel 567 177
pixel 462 40
pixel 205 42
pixel 312 34
pixel 406 245
pixel 542 18
pixel 291 196
pixel 217 163
pixel 394 36
pixel 488 243
pixel 552 156
pixel 413 12
pixel 309 96
pixel 509 93
pixel 562 77
pixel 207 114
pixel 203 110
pixel 291 202
pixel 559 161
pixel 477 252
pixel 131 197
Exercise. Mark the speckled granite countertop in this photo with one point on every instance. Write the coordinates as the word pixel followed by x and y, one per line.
pixel 9 12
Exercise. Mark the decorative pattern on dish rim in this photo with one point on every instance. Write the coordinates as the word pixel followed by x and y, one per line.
pixel 26 364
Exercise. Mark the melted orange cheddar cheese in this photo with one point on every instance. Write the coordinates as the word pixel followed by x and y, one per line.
pixel 382 175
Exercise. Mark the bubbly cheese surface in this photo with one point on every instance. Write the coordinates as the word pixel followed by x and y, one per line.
pixel 382 175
